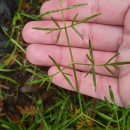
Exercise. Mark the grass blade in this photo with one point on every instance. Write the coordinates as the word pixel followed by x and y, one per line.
pixel 33 17
pixel 116 67
pixel 58 67
pixel 61 111
pixel 89 58
pixel 49 83
pixel 8 79
pixel 79 34
pixel 119 63
pixel 58 37
pixel 46 29
pixel 110 71
pixel 105 116
pixel 55 63
pixel 50 32
pixel 91 52
pixel 74 19
pixel 112 58
pixel 68 80
pixel 108 103
pixel 68 74
pixel 55 22
pixel 88 72
pixel 5 70
pixel 111 94
pixel 61 1
pixel 75 6
pixel 54 11
pixel 94 77
pixel 47 12
pixel 86 19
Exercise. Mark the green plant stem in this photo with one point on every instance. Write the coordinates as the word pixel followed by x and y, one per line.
pixel 72 60
pixel 117 118
pixel 110 64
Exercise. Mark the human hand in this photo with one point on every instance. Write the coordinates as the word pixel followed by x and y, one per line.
pixel 109 34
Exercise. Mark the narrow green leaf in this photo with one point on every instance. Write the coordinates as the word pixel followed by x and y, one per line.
pixel 67 79
pixel 43 81
pixel 128 122
pixel 110 71
pixel 50 31
pixel 35 82
pixel 55 22
pixel 18 45
pixel 61 1
pixel 111 94
pixel 88 72
pixel 79 34
pixel 46 29
pixel 47 12
pixel 112 58
pixel 86 19
pixel 68 74
pixel 58 37
pixel 58 67
pixel 89 58
pixel 54 11
pixel 91 52
pixel 94 77
pixel 74 19
pixel 11 57
pixel 116 67
pixel 32 17
pixel 119 63
pixel 49 83
pixel 55 63
pixel 8 79
pixel 105 116
pixel 124 115
pixel 108 103
pixel 5 70
pixel 75 6
pixel 61 111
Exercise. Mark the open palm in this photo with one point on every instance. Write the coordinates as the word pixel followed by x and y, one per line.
pixel 109 34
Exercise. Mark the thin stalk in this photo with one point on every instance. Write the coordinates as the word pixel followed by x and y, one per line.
pixel 70 26
pixel 117 119
pixel 72 60
pixel 87 117
pixel 111 64
pixel 74 120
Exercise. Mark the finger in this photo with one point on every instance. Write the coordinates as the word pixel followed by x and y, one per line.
pixel 112 12
pixel 124 75
pixel 126 22
pixel 109 40
pixel 39 54
pixel 124 89
pixel 86 86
